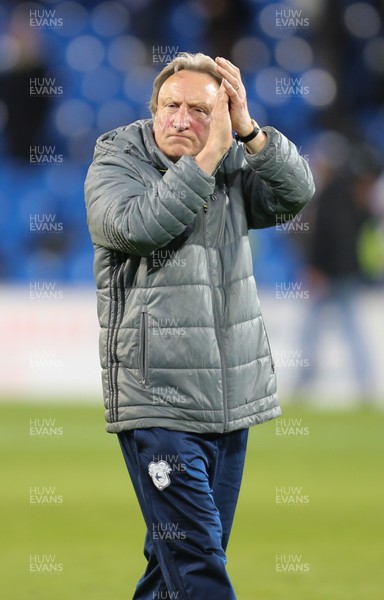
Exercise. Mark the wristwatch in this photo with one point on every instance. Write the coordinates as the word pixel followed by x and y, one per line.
pixel 250 136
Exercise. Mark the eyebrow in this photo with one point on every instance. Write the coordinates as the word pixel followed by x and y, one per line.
pixel 203 105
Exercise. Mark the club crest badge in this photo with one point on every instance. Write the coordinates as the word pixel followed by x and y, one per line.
pixel 159 471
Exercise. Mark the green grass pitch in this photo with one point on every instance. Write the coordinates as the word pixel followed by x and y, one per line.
pixel 309 524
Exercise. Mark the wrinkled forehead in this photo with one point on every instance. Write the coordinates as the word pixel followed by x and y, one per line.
pixel 189 86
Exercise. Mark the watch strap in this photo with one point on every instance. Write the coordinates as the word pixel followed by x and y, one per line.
pixel 247 138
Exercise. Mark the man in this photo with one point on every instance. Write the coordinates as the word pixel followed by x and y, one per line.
pixel 187 367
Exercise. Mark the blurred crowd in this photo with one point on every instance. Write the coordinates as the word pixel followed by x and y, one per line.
pixel 71 70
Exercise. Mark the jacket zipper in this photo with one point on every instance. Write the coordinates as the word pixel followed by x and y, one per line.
pixel 216 324
pixel 143 347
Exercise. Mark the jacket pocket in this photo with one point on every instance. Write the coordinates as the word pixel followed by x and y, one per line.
pixel 143 347
pixel 269 348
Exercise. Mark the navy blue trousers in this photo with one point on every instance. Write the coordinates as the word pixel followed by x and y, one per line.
pixel 187 485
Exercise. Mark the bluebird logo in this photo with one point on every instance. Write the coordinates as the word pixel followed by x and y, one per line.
pixel 159 471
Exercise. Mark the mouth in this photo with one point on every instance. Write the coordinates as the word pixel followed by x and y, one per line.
pixel 180 137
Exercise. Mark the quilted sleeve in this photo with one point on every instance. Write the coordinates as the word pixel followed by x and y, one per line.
pixel 277 181
pixel 126 215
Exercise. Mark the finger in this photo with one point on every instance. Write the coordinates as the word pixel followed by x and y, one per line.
pixel 226 66
pixel 221 105
pixel 222 95
pixel 233 92
pixel 235 83
pixel 231 75
pixel 225 63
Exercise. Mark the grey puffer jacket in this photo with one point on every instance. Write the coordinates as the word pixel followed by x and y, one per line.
pixel 182 343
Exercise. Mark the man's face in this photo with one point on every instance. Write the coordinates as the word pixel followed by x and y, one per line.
pixel 183 116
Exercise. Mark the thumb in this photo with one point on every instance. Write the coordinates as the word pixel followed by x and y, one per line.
pixel 222 95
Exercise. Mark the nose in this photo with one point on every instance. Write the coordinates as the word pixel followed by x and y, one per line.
pixel 181 119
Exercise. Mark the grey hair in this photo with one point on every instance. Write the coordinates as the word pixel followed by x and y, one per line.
pixel 184 61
